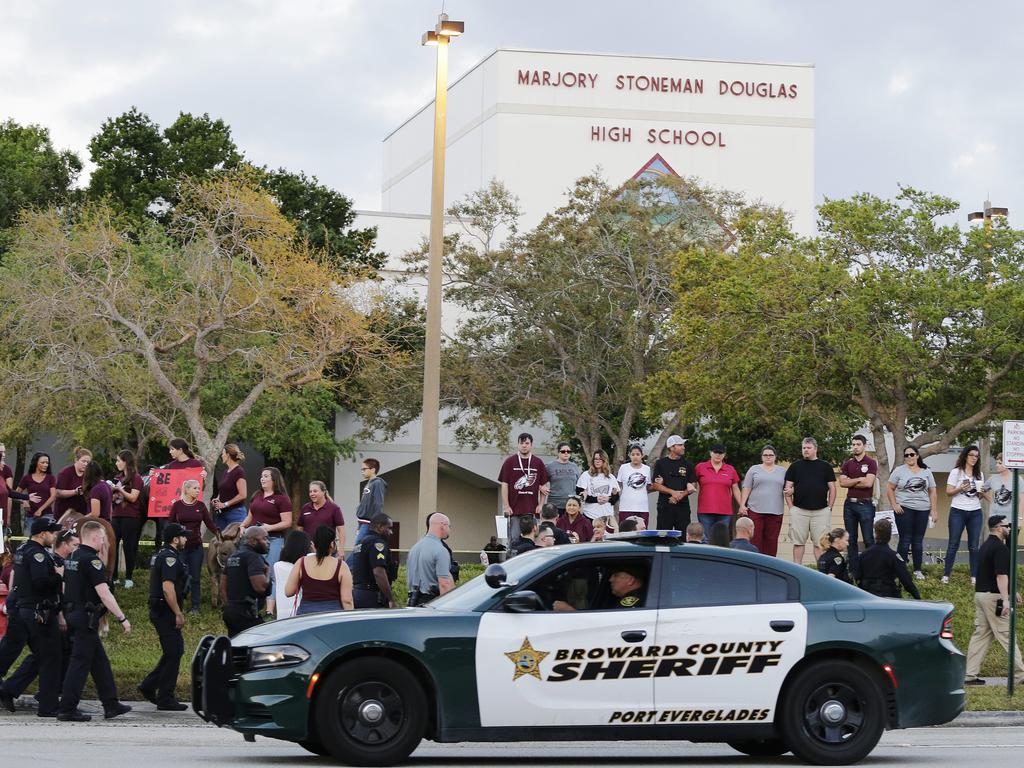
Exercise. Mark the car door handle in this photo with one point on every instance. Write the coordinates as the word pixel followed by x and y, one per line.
pixel 634 635
pixel 781 626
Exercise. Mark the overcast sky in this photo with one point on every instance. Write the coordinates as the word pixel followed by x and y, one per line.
pixel 921 93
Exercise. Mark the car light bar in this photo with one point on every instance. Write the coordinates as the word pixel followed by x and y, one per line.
pixel 645 536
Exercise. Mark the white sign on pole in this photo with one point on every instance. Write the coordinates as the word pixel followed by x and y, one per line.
pixel 1013 444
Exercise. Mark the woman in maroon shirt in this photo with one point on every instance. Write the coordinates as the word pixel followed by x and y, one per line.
pixel 321 510
pixel 181 458
pixel 191 512
pixel 97 492
pixel 324 580
pixel 69 490
pixel 229 502
pixel 125 515
pixel 40 481
pixel 271 508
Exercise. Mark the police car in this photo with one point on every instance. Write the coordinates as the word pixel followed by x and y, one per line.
pixel 640 637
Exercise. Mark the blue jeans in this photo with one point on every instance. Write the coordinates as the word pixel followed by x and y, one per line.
pixel 317 606
pixel 958 520
pixel 194 560
pixel 859 516
pixel 911 525
pixel 361 531
pixel 709 520
pixel 276 542
pixel 226 517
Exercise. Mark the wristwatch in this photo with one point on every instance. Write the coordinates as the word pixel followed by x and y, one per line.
pixel 122 620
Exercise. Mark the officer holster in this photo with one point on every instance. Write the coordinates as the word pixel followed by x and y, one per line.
pixel 416 597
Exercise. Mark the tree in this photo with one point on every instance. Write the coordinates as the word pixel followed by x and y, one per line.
pixel 890 317
pixel 32 173
pixel 184 330
pixel 569 318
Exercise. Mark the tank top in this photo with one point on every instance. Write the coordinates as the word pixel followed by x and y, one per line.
pixel 320 589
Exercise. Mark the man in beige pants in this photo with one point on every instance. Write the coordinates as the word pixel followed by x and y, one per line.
pixel 992 602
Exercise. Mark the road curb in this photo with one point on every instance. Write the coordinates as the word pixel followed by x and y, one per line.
pixel 987 719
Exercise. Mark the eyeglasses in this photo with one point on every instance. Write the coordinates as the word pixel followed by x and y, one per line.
pixel 908 455
pixel 564 450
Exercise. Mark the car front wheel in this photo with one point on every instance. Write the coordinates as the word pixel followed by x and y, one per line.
pixel 371 712
pixel 832 714
pixel 761 747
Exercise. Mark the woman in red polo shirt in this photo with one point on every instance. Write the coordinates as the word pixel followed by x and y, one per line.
pixel 321 510
pixel 719 485
pixel 271 508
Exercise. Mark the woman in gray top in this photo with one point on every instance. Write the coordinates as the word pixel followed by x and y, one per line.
pixel 762 500
pixel 911 492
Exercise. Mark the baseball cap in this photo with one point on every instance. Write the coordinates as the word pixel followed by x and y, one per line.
pixel 674 440
pixel 996 520
pixel 45 525
pixel 171 530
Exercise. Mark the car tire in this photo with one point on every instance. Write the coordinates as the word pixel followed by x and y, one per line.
pixel 833 713
pixel 371 711
pixel 761 747
pixel 315 747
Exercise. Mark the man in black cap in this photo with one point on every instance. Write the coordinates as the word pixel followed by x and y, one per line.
pixel 168 585
pixel 627 587
pixel 372 566
pixel 37 583
pixel 992 602
pixel 87 597
pixel 245 583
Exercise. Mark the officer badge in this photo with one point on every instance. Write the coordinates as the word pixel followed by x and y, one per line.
pixel 838 561
pixel 97 565
pixel 629 602
pixel 380 546
pixel 170 561
pixel 39 557
pixel 527 660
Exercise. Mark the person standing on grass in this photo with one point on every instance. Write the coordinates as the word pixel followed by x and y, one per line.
pixel 599 490
pixel 371 503
pixel 321 581
pixel 168 579
pixel 673 480
pixel 811 492
pixel 125 517
pixel 882 571
pixel 635 481
pixel 965 485
pixel 39 480
pixel 70 497
pixel 523 480
pixel 763 501
pixel 232 490
pixel 911 492
pixel 271 509
pixel 322 510
pixel 992 602
pixel 857 476
pixel 562 474
pixel 719 486
pixel 190 512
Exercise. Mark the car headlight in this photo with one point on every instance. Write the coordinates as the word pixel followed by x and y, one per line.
pixel 264 656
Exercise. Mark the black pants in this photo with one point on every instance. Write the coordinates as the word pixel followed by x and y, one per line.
pixel 87 657
pixel 158 534
pixel 675 516
pixel 126 531
pixel 45 661
pixel 238 618
pixel 13 642
pixel 367 598
pixel 164 678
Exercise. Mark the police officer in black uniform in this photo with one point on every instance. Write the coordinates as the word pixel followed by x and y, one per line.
pixel 37 582
pixel 627 588
pixel 245 583
pixel 881 567
pixel 832 562
pixel 169 583
pixel 373 568
pixel 87 597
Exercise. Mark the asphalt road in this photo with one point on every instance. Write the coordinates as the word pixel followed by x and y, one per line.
pixel 138 740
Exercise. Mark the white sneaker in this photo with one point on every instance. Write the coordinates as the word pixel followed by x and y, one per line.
pixel 945 579
pixel 973 581
pixel 128 583
pixel 918 575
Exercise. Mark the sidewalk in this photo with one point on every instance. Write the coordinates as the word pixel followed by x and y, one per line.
pixel 143 713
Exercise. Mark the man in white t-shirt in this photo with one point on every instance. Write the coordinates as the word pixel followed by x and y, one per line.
pixel 635 483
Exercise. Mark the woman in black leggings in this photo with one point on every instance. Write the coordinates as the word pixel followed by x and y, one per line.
pixel 125 514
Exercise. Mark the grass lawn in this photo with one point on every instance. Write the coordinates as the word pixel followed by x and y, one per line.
pixel 132 656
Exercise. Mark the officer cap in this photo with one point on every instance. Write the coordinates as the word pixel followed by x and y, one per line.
pixel 637 571
pixel 45 525
pixel 173 530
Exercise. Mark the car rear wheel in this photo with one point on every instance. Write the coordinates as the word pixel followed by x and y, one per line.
pixel 761 747
pixel 371 712
pixel 833 714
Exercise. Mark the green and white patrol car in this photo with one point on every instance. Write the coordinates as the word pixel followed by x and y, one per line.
pixel 706 644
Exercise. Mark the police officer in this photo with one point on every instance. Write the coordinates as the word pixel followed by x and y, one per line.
pixel 880 567
pixel 373 567
pixel 169 583
pixel 37 581
pixel 87 597
pixel 832 562
pixel 245 583
pixel 429 565
pixel 627 588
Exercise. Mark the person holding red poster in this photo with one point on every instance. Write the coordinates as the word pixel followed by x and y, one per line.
pixel 181 458
pixel 271 509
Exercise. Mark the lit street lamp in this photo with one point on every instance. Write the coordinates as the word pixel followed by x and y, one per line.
pixel 439 37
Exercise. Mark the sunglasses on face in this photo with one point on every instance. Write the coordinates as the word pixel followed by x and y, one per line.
pixel 908 455
pixel 564 450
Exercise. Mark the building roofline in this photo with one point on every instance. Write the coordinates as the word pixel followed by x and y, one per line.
pixel 498 50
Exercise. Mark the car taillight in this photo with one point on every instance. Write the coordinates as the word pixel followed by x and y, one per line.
pixel 947 628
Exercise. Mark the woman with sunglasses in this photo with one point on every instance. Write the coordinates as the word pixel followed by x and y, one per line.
pixel 911 492
pixel 763 501
pixel 965 486
pixel 562 476
pixel 599 490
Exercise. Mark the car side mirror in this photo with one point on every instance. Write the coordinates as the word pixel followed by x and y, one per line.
pixel 523 602
pixel 496 577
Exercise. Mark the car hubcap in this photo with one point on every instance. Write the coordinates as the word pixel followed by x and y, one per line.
pixel 371 713
pixel 833 713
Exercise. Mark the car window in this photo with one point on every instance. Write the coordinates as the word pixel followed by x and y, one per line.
pixel 595 584
pixel 476 592
pixel 694 582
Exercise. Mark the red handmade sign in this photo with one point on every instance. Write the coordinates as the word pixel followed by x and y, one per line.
pixel 165 488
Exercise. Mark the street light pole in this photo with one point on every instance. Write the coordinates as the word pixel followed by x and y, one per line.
pixel 438 37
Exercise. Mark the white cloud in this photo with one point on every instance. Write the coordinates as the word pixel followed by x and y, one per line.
pixel 980 151
pixel 899 84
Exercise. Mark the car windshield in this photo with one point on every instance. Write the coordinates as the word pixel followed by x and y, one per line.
pixel 471 595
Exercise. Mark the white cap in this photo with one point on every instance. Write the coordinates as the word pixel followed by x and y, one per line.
pixel 674 440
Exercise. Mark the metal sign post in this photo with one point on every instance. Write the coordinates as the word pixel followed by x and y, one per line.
pixel 1013 458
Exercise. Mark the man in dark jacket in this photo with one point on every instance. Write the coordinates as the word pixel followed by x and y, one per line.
pixel 881 567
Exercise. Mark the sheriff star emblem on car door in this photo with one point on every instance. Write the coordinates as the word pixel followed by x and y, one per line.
pixel 527 660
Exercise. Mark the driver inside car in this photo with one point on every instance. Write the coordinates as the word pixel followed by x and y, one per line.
pixel 626 590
